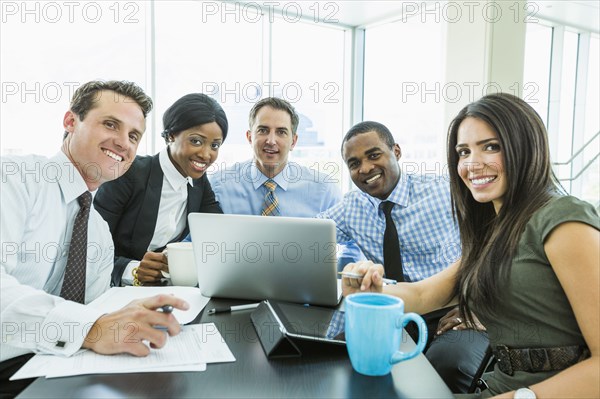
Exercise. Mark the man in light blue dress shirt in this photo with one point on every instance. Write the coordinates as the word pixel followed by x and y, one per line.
pixel 301 192
pixel 427 233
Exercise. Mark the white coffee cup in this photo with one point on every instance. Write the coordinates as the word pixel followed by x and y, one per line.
pixel 182 265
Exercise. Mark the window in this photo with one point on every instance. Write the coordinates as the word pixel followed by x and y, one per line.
pixel 312 78
pixel 230 51
pixel 208 50
pixel 536 74
pixel 239 56
pixel 408 96
pixel 561 66
pixel 81 42
pixel 590 186
pixel 567 99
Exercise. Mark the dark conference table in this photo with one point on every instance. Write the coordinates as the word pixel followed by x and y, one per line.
pixel 323 371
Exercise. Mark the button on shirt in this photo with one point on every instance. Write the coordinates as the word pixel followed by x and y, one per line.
pixel 428 235
pixel 301 192
pixel 39 205
pixel 171 218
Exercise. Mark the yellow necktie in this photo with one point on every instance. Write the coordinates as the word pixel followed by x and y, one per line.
pixel 271 204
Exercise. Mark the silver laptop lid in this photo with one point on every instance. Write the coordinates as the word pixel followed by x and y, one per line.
pixel 265 257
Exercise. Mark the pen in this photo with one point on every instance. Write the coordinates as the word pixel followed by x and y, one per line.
pixel 229 309
pixel 356 275
pixel 164 309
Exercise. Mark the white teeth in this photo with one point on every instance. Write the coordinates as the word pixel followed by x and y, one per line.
pixel 372 179
pixel 113 155
pixel 483 180
pixel 199 164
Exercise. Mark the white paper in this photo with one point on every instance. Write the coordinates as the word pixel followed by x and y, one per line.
pixel 37 366
pixel 118 297
pixel 190 350
pixel 213 348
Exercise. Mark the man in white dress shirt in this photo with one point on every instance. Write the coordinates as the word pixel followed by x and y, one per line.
pixel 103 127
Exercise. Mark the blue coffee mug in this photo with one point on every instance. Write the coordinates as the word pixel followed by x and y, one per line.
pixel 374 324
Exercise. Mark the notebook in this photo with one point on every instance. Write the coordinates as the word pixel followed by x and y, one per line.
pixel 265 257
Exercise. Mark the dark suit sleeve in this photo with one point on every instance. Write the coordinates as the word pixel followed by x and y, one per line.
pixel 121 263
pixel 111 202
pixel 209 201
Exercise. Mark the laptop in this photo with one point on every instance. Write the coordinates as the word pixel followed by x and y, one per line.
pixel 266 257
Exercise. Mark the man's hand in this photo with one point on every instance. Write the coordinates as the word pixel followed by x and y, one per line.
pixel 370 282
pixel 125 330
pixel 455 321
pixel 150 267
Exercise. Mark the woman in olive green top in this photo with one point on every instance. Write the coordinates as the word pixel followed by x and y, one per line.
pixel 530 256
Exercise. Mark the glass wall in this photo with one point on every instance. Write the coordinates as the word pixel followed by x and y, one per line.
pixel 405 88
pixel 308 67
pixel 51 48
pixel 233 52
pixel 208 51
pixel 536 74
pixel 238 53
pixel 561 82
pixel 590 180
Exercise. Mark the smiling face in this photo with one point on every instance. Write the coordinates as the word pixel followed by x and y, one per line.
pixel 195 149
pixel 272 139
pixel 373 165
pixel 480 161
pixel 102 146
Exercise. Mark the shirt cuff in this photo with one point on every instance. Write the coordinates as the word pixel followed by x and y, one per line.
pixel 66 327
pixel 127 278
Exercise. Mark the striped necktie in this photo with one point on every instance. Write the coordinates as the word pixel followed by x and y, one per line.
pixel 73 288
pixel 271 204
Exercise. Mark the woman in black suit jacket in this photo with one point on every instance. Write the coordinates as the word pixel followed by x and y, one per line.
pixel 147 207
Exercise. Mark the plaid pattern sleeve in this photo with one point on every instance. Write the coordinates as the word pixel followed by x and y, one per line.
pixel 336 213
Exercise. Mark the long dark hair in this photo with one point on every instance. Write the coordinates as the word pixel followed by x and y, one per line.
pixel 489 240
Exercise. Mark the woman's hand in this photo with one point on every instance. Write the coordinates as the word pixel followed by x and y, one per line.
pixel 370 282
pixel 150 267
pixel 454 320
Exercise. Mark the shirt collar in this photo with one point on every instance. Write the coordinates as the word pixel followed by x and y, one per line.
pixel 68 177
pixel 175 179
pixel 399 195
pixel 282 178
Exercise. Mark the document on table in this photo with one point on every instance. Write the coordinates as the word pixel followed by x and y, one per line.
pixel 191 350
pixel 117 297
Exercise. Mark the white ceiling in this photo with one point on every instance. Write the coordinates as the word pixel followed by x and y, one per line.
pixel 584 14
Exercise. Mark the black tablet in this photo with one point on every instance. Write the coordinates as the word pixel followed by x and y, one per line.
pixel 309 322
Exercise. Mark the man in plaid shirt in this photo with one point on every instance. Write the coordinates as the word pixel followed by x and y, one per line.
pixel 427 233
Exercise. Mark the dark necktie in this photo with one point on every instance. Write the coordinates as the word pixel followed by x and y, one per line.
pixel 271 204
pixel 392 258
pixel 73 288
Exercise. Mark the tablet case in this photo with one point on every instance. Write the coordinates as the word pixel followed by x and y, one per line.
pixel 270 334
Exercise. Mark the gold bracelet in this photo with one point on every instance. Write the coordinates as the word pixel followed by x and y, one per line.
pixel 136 282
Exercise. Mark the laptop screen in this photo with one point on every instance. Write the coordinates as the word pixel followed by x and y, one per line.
pixel 258 257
